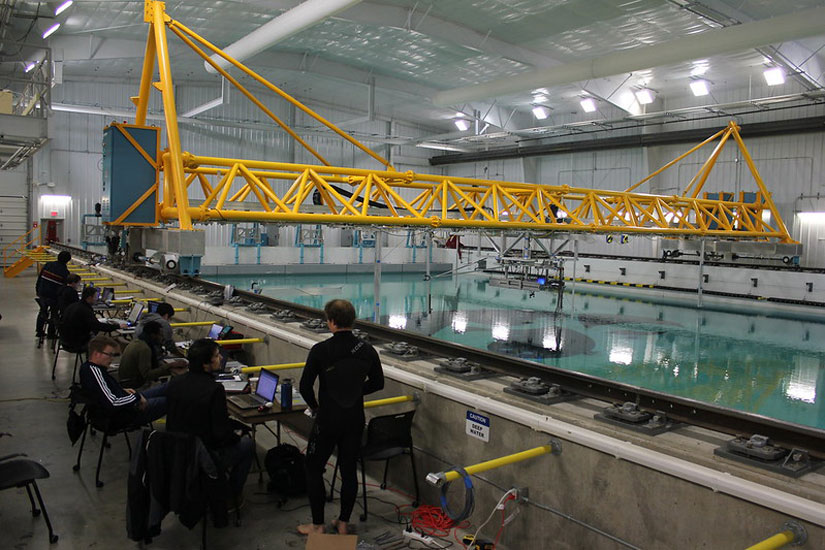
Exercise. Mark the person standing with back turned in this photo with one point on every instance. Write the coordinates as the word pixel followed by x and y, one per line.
pixel 348 369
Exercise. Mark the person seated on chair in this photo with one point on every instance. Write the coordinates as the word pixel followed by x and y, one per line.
pixel 348 369
pixel 126 407
pixel 140 363
pixel 197 405
pixel 68 294
pixel 79 320
pixel 163 315
pixel 49 282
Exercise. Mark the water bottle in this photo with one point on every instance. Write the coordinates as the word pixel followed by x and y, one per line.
pixel 286 394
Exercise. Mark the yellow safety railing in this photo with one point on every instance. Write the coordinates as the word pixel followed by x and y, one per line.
pixel 12 253
pixel 240 341
pixel 389 401
pixel 283 192
pixel 193 324
pixel 793 532
pixel 441 478
pixel 282 366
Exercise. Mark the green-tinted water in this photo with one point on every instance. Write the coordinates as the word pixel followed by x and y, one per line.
pixel 769 366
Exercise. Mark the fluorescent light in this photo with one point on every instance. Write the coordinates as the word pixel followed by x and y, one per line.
pixel 774 76
pixel 63 7
pixel 540 112
pixel 644 96
pixel 51 30
pixel 56 199
pixel 812 217
pixel 441 146
pixel 539 98
pixel 699 87
pixel 462 124
pixel 31 65
pixel 588 105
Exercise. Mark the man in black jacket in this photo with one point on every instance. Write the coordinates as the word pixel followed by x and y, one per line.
pixel 49 282
pixel 197 405
pixel 348 369
pixel 68 294
pixel 79 320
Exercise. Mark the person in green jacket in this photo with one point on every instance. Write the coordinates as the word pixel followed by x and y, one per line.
pixel 140 364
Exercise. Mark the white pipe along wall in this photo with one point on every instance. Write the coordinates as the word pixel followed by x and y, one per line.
pixel 282 27
pixel 733 39
pixel 722 482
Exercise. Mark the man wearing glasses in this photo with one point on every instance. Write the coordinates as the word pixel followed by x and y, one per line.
pixel 127 406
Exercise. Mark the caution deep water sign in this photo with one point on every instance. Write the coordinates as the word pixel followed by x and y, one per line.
pixel 478 426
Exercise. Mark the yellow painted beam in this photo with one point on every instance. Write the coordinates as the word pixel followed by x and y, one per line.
pixel 180 309
pixel 130 291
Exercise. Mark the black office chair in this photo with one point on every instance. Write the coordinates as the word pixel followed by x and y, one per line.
pixel 98 420
pixel 78 350
pixel 386 437
pixel 22 472
pixel 172 487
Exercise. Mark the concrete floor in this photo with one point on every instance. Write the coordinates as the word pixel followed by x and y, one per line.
pixel 33 410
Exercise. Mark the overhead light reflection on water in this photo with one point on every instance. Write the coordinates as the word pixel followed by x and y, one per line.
pixel 398 321
pixel 802 383
pixel 459 322
pixel 550 342
pixel 621 355
pixel 501 331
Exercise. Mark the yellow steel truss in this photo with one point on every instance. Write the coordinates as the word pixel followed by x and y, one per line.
pixel 340 195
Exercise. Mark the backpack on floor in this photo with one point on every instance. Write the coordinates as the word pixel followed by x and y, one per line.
pixel 285 466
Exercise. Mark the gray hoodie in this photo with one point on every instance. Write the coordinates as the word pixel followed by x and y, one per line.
pixel 165 329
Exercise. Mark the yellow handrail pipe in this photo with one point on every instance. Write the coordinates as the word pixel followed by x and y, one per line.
pixel 130 291
pixel 240 341
pixel 115 284
pixel 125 301
pixel 97 278
pixel 792 533
pixel 193 324
pixel 180 309
pixel 390 401
pixel 282 366
pixel 441 478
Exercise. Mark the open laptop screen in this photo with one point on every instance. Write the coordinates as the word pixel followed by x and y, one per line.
pixel 215 332
pixel 153 306
pixel 107 294
pixel 267 383
pixel 134 313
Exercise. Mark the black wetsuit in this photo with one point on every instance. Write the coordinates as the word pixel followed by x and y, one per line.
pixel 348 370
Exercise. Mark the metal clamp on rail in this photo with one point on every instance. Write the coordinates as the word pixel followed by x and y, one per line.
pixel 793 533
pixel 440 478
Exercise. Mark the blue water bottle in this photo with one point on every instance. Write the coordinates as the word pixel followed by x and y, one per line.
pixel 286 394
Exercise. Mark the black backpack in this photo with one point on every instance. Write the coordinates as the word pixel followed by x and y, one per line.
pixel 285 466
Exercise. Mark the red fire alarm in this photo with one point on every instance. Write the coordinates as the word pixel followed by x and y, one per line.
pixel 54 213
pixel 34 224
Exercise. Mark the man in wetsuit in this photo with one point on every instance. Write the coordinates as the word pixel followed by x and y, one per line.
pixel 348 369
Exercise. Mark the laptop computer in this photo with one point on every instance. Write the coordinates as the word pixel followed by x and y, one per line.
pixel 264 393
pixel 107 294
pixel 134 314
pixel 218 332
pixel 153 306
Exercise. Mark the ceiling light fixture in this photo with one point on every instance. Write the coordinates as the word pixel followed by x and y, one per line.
pixel 51 30
pixel 774 76
pixel 644 96
pixel 462 124
pixel 540 112
pixel 63 7
pixel 699 87
pixel 31 65
pixel 588 105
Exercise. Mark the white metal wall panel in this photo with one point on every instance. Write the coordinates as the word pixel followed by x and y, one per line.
pixel 14 192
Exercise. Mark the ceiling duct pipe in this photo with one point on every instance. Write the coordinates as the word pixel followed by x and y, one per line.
pixel 733 39
pixel 287 24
